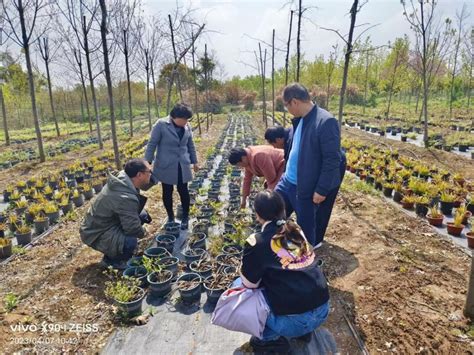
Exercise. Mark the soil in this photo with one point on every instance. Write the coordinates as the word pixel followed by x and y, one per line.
pixel 396 282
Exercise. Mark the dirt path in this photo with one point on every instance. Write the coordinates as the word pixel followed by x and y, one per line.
pixel 59 282
pixel 404 286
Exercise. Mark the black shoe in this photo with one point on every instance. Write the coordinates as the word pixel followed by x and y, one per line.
pixel 277 346
pixel 107 262
pixel 184 223
pixel 170 220
pixel 306 338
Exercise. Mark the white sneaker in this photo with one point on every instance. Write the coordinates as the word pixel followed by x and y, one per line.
pixel 319 245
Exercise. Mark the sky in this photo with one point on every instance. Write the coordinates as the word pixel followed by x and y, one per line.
pixel 231 23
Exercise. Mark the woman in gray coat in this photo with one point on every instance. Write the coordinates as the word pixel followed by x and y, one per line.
pixel 172 141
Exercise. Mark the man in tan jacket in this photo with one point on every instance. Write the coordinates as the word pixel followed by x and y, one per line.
pixel 258 160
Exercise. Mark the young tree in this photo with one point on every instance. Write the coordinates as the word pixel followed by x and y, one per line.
pixel 355 9
pixel 108 79
pixel 46 54
pixel 22 18
pixel 432 44
pixel 2 80
pixel 330 66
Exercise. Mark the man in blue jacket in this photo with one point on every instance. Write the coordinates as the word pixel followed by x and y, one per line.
pixel 315 166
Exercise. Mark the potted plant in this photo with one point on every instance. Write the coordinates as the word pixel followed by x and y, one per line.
pixel 215 285
pixel 189 287
pixel 87 191
pixel 158 277
pixel 5 247
pixel 170 263
pixel 447 203
pixel 65 205
pixel 77 198
pixel 166 241
pixel 203 267
pixel 387 189
pixel 191 255
pixel 41 222
pixel 3 228
pixel 125 292
pixel 408 202
pixel 398 194
pixel 197 240
pixel 20 207
pixel 52 211
pixel 48 192
pixel 32 212
pixel 421 205
pixel 455 228
pixel 156 252
pixel 435 217
pixel 22 234
pixel 137 272
pixel 97 185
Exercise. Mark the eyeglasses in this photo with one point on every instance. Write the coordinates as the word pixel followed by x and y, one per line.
pixel 146 171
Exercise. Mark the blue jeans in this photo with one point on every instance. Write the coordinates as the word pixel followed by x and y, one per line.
pixel 291 325
pixel 305 209
pixel 294 325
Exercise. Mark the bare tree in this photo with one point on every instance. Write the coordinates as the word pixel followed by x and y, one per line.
pixel 461 17
pixel 261 62
pixel 2 80
pixel 126 11
pixel 298 40
pixel 432 44
pixel 273 76
pixel 108 79
pixel 196 104
pixel 397 59
pixel 287 59
pixel 331 65
pixel 81 16
pixel 46 54
pixel 22 20
pixel 356 8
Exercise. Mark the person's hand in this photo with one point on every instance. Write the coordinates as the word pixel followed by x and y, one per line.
pixel 196 168
pixel 317 198
pixel 243 203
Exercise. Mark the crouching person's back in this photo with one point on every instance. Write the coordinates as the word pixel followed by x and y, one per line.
pixel 112 224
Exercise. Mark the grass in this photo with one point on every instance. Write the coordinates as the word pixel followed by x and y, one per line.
pixel 10 301
pixel 353 184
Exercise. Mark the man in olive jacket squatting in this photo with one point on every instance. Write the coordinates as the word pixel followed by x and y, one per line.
pixel 114 222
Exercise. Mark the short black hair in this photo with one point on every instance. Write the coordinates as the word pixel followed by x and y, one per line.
pixel 134 166
pixel 296 91
pixel 181 110
pixel 269 205
pixel 236 155
pixel 272 133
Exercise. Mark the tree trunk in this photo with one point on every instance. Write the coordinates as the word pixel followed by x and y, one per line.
pixel 178 82
pixel 196 106
pixel 84 89
pixel 273 77
pixel 51 101
pixel 31 83
pixel 287 59
pixel 347 59
pixel 129 89
pixel 4 116
pixel 264 99
pixel 148 104
pixel 469 307
pixel 298 42
pixel 155 97
pixel 91 81
pixel 108 79
pixel 366 84
pixel 206 80
pixel 425 84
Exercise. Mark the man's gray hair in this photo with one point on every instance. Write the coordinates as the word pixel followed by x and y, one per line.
pixel 296 91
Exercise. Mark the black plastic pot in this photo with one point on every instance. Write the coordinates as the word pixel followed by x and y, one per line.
pixel 191 255
pixel 156 252
pixel 212 294
pixel 421 210
pixel 6 251
pixel 78 201
pixel 134 307
pixel 205 272
pixel 200 240
pixel 170 263
pixel 23 239
pixel 193 294
pixel 53 217
pixel 166 241
pixel 446 208
pixel 137 272
pixel 233 249
pixel 88 194
pixel 201 227
pixel 160 289
pixel 172 228
pixel 397 196
pixel 41 226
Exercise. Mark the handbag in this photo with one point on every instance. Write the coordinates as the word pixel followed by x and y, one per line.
pixel 243 310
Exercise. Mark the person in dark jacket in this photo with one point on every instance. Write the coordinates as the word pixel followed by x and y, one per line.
pixel 172 140
pixel 316 164
pixel 114 221
pixel 280 138
pixel 281 260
